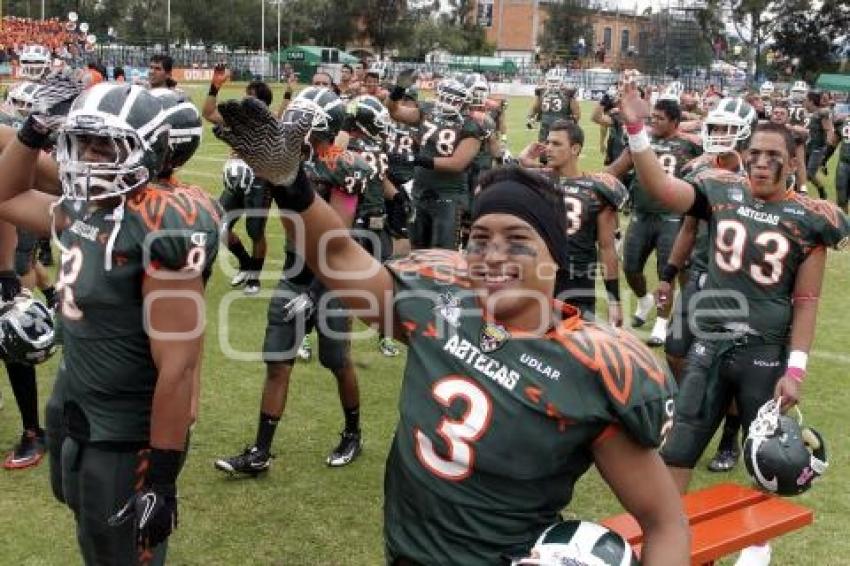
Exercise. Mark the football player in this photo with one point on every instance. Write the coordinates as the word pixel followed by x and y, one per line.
pixel 781 115
pixel 591 201
pixel 726 131
pixel 555 102
pixel 35 62
pixel 842 172
pixel 300 302
pixel 489 347
pixel 449 140
pixel 369 126
pixel 135 255
pixel 821 135
pixel 159 72
pixel 764 279
pixel 652 226
pixel 242 192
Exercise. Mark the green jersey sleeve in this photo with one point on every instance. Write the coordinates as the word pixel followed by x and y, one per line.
pixel 610 189
pixel 827 225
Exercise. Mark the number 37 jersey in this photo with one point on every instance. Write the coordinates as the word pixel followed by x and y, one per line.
pixel 756 250
pixel 496 427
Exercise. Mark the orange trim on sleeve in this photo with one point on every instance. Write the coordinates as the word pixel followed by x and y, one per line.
pixel 608 432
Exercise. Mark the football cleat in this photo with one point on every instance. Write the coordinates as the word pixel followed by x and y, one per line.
pixel 579 542
pixel 724 460
pixel 28 452
pixel 252 286
pixel 238 279
pixel 644 306
pixel 272 148
pixel 349 448
pixel 252 462
pixel 305 350
pixel 754 556
pixel 388 347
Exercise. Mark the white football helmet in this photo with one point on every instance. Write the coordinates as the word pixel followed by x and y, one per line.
pixel 579 542
pixel 727 126
pixel 799 90
pixel 766 89
pixel 453 97
pixel 35 62
pixel 22 96
pixel 554 79
pixel 479 89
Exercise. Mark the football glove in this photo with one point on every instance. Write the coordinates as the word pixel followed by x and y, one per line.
pixel 301 306
pixel 55 95
pixel 270 147
pixel 153 509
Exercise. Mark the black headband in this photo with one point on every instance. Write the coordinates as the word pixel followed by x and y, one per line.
pixel 520 200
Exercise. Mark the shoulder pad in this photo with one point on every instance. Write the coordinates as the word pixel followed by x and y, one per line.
pixel 441 265
pixel 831 227
pixel 639 390
pixel 611 189
pixel 184 222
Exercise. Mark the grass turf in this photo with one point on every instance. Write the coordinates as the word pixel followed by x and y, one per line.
pixel 304 513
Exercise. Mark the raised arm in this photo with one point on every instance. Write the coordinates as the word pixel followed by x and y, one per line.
pixel 674 194
pixel 209 110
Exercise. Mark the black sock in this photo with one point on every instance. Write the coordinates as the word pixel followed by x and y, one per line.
pixel 265 431
pixel 237 249
pixel 729 438
pixel 820 188
pixel 352 419
pixel 257 266
pixel 22 378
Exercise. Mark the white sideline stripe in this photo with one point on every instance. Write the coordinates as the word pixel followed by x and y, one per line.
pixel 832 356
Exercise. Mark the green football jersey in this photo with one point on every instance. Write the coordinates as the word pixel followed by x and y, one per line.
pixel 554 105
pixel 106 367
pixel 439 136
pixel 403 140
pixel 340 169
pixel 673 153
pixel 617 140
pixel 797 115
pixel 843 130
pixel 374 154
pixel 585 197
pixel 495 427
pixel 756 250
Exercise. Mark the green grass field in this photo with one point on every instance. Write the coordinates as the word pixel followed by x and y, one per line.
pixel 304 513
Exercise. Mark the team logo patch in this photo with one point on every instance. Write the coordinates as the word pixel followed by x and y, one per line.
pixel 448 308
pixel 493 337
pixel 736 194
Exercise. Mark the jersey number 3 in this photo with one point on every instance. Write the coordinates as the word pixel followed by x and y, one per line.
pixel 72 264
pixel 458 434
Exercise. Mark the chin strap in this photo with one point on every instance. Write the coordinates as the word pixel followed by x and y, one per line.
pixel 117 217
pixel 54 234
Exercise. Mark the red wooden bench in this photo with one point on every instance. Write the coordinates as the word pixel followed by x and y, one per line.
pixel 724 519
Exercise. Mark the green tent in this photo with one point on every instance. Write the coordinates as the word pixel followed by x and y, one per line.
pixel 834 82
pixel 482 64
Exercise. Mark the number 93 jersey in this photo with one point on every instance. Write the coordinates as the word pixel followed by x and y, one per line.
pixel 756 249
pixel 439 136
pixel 166 231
pixel 496 426
pixel 673 153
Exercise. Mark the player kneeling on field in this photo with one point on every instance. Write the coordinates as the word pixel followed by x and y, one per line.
pixel 508 396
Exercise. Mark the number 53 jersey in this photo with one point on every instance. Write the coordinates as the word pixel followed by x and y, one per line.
pixel 756 249
pixel 496 426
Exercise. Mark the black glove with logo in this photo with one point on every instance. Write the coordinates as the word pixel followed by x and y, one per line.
pixel 153 509
pixel 398 214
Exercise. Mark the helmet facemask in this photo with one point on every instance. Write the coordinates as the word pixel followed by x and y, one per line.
pixel 378 126
pixel 452 99
pixel 98 164
pixel 320 118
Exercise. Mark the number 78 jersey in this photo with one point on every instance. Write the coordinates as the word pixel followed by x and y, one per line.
pixel 756 250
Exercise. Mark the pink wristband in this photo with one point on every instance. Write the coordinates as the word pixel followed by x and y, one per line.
pixel 797 374
pixel 634 128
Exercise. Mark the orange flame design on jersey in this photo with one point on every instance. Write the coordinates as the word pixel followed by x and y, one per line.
pixel 615 357
pixel 153 201
pixel 820 207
